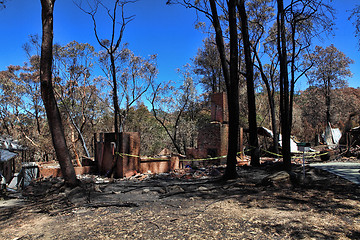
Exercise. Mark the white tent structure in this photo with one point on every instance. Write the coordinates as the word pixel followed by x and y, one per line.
pixel 293 145
pixel 331 136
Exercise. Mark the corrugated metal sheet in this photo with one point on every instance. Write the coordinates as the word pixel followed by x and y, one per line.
pixel 331 135
pixel 8 143
pixel 6 155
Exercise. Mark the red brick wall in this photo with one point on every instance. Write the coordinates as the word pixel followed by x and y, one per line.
pixel 159 166
pixel 126 165
pixel 213 137
pixel 219 107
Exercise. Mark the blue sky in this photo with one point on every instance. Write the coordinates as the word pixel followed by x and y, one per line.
pixel 344 38
pixel 167 31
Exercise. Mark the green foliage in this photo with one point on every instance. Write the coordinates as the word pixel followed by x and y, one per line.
pixel 153 136
pixel 330 67
pixel 134 76
pixel 177 109
pixel 313 109
pixel 207 66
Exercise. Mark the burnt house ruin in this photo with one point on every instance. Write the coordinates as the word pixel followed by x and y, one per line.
pixel 213 137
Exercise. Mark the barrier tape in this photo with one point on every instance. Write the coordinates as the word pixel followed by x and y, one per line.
pixel 220 157
pixel 181 160
pixel 202 159
pixel 311 156
pixel 275 154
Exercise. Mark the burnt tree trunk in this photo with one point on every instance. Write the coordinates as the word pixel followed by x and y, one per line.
pixel 220 43
pixel 253 138
pixel 233 95
pixel 328 101
pixel 116 113
pixel 284 87
pixel 270 94
pixel 273 123
pixel 115 95
pixel 231 81
pixel 47 94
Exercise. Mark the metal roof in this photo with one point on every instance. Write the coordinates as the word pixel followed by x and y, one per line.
pixel 6 155
pixel 9 143
pixel 355 130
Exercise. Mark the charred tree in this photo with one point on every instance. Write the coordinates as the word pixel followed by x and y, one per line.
pixel 232 82
pixel 48 97
pixel 233 94
pixel 285 112
pixel 253 138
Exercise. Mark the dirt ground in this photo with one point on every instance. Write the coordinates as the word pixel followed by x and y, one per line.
pixel 188 205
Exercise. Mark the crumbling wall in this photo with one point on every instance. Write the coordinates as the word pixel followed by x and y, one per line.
pixel 219 108
pixel 166 164
pixel 129 163
pixel 126 162
pixel 213 138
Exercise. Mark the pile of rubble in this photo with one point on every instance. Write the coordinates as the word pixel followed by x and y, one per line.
pixel 180 174
pixel 353 152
